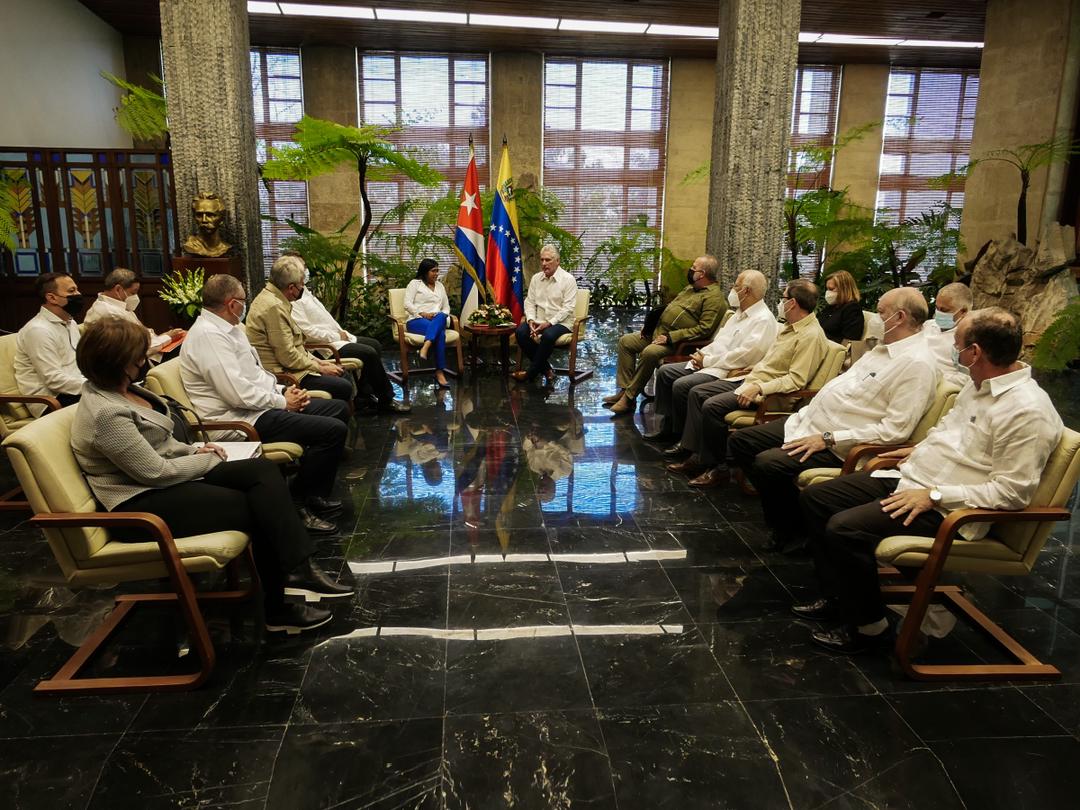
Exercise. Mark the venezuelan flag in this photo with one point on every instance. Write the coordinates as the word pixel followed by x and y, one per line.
pixel 504 266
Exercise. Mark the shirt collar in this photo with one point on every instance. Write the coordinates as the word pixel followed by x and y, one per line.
pixel 752 310
pixel 1006 382
pixel 109 301
pixel 274 291
pixel 805 323
pixel 912 343
pixel 215 321
pixel 52 317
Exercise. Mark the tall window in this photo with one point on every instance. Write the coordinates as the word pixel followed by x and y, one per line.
pixel 279 103
pixel 813 123
pixel 438 101
pixel 929 117
pixel 605 138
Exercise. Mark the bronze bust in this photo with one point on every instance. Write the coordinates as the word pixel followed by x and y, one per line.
pixel 208 211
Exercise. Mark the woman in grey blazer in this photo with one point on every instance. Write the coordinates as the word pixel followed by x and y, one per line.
pixel 123 440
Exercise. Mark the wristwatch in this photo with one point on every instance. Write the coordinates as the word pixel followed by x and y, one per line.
pixel 828 439
pixel 935 496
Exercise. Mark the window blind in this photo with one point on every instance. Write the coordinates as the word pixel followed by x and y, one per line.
pixel 278 94
pixel 929 116
pixel 438 101
pixel 605 140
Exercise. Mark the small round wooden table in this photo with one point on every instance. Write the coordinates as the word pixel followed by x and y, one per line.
pixel 501 332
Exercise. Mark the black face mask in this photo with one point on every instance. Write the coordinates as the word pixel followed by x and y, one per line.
pixel 140 375
pixel 690 276
pixel 74 304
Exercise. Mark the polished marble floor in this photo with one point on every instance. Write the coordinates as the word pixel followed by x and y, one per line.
pixel 544 618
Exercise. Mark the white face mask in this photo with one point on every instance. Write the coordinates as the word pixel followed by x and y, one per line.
pixel 733 299
pixel 132 303
pixel 830 297
pixel 781 310
pixel 886 320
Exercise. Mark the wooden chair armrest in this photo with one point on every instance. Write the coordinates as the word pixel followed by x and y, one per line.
pixel 950 527
pixel 880 464
pixel 287 379
pixel 50 403
pixel 675 358
pixel 326 346
pixel 861 451
pixel 455 324
pixel 686 346
pixel 243 427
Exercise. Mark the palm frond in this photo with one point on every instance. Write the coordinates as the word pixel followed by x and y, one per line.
pixel 142 112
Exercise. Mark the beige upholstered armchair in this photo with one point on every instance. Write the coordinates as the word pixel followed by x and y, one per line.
pixel 685 348
pixel 410 341
pixel 944 399
pixel 164 379
pixel 79 536
pixel 13 411
pixel 1010 549
pixel 570 341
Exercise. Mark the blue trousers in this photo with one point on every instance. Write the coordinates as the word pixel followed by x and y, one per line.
pixel 435 331
pixel 539 353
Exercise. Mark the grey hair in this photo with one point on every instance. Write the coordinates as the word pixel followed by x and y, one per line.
pixel 709 266
pixel 755 281
pixel 552 248
pixel 911 301
pixel 122 276
pixel 220 288
pixel 957 294
pixel 287 270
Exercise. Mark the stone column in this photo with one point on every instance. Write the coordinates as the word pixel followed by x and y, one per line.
pixel 330 93
pixel 863 91
pixel 211 118
pixel 1028 83
pixel 755 81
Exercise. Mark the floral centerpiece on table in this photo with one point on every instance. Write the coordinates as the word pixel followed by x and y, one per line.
pixel 491 315
pixel 182 291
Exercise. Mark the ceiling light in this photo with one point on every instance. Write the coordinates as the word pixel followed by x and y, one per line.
pixel 850 39
pixel 603 26
pixel 510 21
pixel 938 43
pixel 263 8
pixel 412 15
pixel 305 10
pixel 684 31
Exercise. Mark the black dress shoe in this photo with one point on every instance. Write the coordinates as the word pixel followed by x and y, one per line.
pixel 660 436
pixel 393 406
pixel 294 617
pixel 783 543
pixel 323 507
pixel 849 641
pixel 820 610
pixel 310 582
pixel 676 452
pixel 315 524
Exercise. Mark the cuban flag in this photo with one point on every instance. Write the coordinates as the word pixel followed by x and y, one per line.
pixel 503 262
pixel 469 242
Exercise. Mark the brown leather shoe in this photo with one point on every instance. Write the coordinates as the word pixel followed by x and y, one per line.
pixel 711 479
pixel 520 376
pixel 691 468
pixel 611 400
pixel 625 406
pixel 549 375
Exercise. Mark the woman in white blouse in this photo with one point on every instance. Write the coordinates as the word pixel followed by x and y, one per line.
pixel 428 309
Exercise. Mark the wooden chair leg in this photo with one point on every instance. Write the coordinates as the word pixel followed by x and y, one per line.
pixel 14 500
pixel 401 377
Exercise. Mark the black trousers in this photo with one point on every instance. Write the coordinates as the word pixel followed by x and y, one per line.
pixel 338 387
pixel 67 399
pixel 773 473
pixel 247 496
pixel 714 427
pixel 539 352
pixel 321 429
pixel 845 523
pixel 373 379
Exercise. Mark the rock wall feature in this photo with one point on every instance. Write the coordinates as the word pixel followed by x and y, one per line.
pixel 1011 275
pixel 755 81
pixel 211 118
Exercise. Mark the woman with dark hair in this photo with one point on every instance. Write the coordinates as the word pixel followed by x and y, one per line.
pixel 841 318
pixel 429 309
pixel 123 439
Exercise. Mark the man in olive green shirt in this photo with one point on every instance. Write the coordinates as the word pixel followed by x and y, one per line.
pixel 788 366
pixel 694 314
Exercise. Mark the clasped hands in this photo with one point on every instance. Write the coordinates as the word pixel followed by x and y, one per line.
pixel 535 328
pixel 296 399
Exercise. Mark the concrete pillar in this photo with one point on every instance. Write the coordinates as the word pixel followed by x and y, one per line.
pixel 211 119
pixel 690 126
pixel 330 93
pixel 755 81
pixel 517 111
pixel 1027 94
pixel 863 90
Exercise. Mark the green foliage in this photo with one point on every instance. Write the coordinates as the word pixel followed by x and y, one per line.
pixel 322 146
pixel 142 112
pixel 630 257
pixel 1059 345
pixel 7 207
pixel 182 291
pixel 818 218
